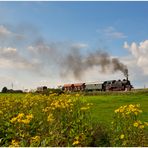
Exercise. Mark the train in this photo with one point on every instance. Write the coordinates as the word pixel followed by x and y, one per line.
pixel 111 85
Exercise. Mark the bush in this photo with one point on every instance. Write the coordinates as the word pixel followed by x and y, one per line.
pixel 100 136
pixel 39 120
pixel 127 129
pixel 4 90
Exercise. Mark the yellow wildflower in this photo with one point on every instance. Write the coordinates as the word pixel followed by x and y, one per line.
pixel 136 124
pixel 121 136
pixel 131 106
pixel 14 143
pixel 56 104
pixel 50 118
pixel 35 139
pixel 117 110
pixel 30 116
pixel 13 119
pixel 20 115
pixel 47 109
pixel 19 120
pixel 141 126
pixel 121 110
pixel 26 121
pixel 75 142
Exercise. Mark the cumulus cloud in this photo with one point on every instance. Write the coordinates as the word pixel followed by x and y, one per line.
pixel 41 48
pixel 111 33
pixel 139 53
pixel 11 58
pixel 8 50
pixel 4 31
pixel 79 45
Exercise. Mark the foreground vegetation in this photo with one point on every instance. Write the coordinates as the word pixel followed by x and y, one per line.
pixel 73 120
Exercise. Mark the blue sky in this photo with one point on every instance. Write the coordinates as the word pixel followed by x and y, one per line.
pixel 118 28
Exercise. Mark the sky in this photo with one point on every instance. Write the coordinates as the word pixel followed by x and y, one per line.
pixel 55 42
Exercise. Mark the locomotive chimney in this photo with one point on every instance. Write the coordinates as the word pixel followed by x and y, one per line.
pixel 127 77
pixel 126 74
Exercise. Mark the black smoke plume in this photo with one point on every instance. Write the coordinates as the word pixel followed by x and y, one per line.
pixel 72 61
pixel 77 64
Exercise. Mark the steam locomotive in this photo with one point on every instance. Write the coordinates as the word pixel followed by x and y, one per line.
pixel 112 85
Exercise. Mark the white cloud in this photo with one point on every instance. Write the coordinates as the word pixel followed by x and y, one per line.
pixel 136 74
pixel 11 58
pixel 4 31
pixel 7 33
pixel 111 33
pixel 9 53
pixel 8 50
pixel 4 63
pixel 125 45
pixel 12 64
pixel 41 48
pixel 139 53
pixel 79 45
pixel 31 48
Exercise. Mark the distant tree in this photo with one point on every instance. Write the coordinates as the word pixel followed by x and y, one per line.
pixel 4 90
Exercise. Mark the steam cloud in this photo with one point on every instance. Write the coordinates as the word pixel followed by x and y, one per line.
pixel 77 64
pixel 71 61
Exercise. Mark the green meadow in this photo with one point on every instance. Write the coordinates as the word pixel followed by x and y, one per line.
pixel 104 104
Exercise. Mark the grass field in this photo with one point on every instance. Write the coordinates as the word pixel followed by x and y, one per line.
pixel 104 104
